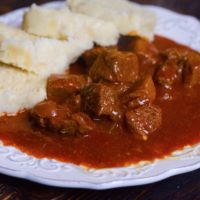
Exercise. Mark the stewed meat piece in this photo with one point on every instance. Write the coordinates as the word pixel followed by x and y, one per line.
pixel 144 92
pixel 99 99
pixel 79 123
pixel 59 118
pixel 146 51
pixel 115 66
pixel 144 120
pixel 48 114
pixel 170 70
pixel 60 87
pixel 191 73
pixel 120 87
pixel 83 121
pixel 174 54
pixel 91 55
pixel 169 73
pixel 179 65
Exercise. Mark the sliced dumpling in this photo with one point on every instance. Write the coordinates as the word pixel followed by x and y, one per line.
pixel 42 56
pixel 64 24
pixel 19 89
pixel 129 18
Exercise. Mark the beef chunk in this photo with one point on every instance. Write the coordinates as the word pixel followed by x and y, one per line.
pixel 99 99
pixel 120 88
pixel 91 55
pixel 174 54
pixel 59 118
pixel 60 87
pixel 178 65
pixel 79 123
pixel 68 127
pixel 84 122
pixel 147 52
pixel 74 102
pixel 48 114
pixel 191 73
pixel 168 74
pixel 142 93
pixel 144 120
pixel 115 66
pixel 171 69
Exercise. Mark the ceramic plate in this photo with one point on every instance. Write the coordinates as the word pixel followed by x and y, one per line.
pixel 181 28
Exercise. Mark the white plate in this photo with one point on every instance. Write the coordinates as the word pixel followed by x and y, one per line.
pixel 184 29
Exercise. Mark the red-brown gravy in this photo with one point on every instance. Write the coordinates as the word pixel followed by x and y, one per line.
pixel 99 149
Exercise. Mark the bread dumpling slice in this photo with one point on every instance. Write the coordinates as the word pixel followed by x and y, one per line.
pixel 42 56
pixel 63 24
pixel 128 17
pixel 19 89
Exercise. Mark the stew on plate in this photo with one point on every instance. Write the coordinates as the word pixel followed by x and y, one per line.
pixel 115 106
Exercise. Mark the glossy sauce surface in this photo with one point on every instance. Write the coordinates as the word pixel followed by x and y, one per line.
pixel 109 145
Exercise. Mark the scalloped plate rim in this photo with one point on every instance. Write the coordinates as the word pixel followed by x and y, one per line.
pixel 104 184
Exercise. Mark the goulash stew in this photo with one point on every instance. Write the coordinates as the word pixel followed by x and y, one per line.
pixel 115 106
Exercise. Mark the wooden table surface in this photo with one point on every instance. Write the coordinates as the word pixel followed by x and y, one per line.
pixel 181 187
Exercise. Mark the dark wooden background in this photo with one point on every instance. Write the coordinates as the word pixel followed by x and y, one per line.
pixel 181 187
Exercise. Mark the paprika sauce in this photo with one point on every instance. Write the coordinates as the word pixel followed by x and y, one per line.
pixel 110 145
